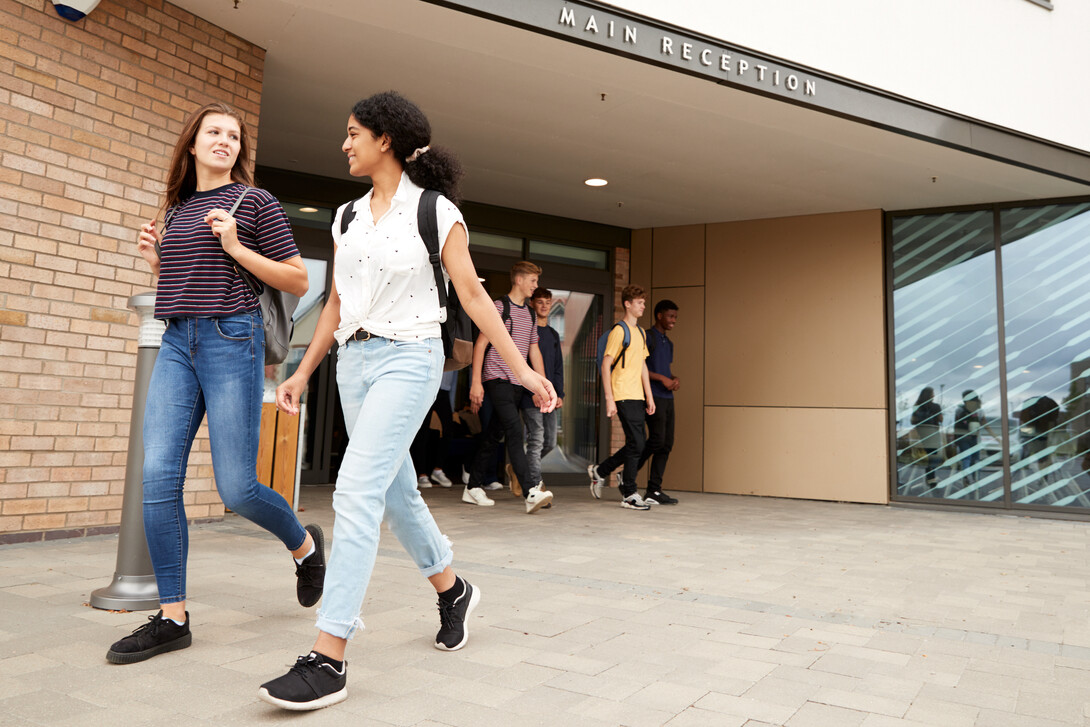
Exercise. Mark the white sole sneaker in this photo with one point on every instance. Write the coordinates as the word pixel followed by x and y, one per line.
pixel 481 500
pixel 539 501
pixel 595 481
pixel 326 701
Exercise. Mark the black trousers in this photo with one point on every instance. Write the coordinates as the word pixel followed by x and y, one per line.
pixel 505 424
pixel 660 440
pixel 631 413
pixel 429 449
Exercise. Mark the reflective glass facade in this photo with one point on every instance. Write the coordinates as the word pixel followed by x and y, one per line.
pixel 990 355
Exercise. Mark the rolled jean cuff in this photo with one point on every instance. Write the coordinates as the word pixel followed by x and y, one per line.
pixel 340 629
pixel 439 567
pixel 173 599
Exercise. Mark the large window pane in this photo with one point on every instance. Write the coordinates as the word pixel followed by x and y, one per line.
pixel 495 244
pixel 1046 294
pixel 946 357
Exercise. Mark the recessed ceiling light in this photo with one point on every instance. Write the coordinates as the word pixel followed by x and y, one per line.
pixel 308 209
pixel 595 182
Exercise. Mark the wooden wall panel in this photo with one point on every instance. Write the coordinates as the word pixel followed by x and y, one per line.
pixel 818 454
pixel 678 256
pixel 795 312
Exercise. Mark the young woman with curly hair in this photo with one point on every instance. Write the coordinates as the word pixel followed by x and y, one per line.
pixel 383 312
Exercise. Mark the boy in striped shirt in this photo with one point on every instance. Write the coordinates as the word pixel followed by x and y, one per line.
pixel 492 376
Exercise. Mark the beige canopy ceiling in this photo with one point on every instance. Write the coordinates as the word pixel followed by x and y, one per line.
pixel 532 117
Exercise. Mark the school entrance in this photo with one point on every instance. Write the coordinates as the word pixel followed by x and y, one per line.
pixel 577 260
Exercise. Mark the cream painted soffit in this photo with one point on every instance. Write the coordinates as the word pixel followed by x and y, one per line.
pixel 531 117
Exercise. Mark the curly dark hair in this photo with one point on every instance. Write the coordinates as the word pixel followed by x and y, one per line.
pixel 399 118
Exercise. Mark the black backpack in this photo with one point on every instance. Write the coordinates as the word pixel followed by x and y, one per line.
pixel 457 329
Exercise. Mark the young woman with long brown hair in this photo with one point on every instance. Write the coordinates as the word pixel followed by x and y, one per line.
pixel 211 361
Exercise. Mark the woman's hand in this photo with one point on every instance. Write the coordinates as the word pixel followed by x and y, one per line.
pixel 145 245
pixel 544 393
pixel 288 394
pixel 224 227
pixel 476 396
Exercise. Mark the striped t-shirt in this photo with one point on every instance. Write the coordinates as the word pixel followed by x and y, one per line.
pixel 522 325
pixel 196 278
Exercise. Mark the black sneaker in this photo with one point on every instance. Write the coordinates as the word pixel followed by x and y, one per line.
pixel 453 634
pixel 158 636
pixel 310 684
pixel 660 497
pixel 310 574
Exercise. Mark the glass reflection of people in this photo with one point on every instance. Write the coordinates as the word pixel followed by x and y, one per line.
pixel 1035 420
pixel 927 418
pixel 969 419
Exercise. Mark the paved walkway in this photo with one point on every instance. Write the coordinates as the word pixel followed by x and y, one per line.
pixel 724 611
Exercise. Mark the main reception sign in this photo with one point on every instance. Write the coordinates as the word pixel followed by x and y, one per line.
pixel 676 49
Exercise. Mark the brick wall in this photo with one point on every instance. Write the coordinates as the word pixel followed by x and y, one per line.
pixel 89 112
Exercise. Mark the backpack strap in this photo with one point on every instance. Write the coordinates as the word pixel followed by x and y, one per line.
pixel 624 345
pixel 167 219
pixel 247 277
pixel 427 222
pixel 347 216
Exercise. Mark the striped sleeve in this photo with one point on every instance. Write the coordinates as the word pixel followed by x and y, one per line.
pixel 272 230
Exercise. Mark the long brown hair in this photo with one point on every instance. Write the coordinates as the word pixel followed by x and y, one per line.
pixel 182 175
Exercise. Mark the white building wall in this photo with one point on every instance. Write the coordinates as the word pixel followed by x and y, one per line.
pixel 1008 62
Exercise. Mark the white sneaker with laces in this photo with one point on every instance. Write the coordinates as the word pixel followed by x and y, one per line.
pixel 537 499
pixel 476 496
pixel 596 481
pixel 440 478
pixel 422 482
pixel 635 502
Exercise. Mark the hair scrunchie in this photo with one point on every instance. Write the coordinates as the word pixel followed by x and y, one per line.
pixel 417 153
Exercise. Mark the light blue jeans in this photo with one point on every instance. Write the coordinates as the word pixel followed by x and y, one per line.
pixel 213 365
pixel 386 389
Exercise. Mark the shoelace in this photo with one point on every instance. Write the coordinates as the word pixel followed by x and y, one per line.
pixel 309 571
pixel 304 665
pixel 446 614
pixel 152 626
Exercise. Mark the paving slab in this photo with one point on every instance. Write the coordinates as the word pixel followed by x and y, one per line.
pixel 725 611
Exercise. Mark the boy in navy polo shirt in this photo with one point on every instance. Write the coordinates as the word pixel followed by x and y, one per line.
pixel 541 428
pixel 660 424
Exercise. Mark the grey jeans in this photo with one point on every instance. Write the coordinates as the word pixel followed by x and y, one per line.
pixel 540 439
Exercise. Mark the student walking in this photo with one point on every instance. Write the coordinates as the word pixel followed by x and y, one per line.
pixel 628 395
pixel 660 423
pixel 383 312
pixel 493 376
pixel 211 361
pixel 541 427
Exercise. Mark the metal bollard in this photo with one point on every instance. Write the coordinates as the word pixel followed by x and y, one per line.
pixel 133 587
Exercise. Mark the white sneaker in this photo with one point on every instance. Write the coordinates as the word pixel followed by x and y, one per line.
pixel 596 481
pixel 493 485
pixel 465 476
pixel 476 496
pixel 537 499
pixel 541 486
pixel 635 502
pixel 422 482
pixel 440 478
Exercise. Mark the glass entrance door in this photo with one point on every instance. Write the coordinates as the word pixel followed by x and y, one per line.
pixel 577 317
